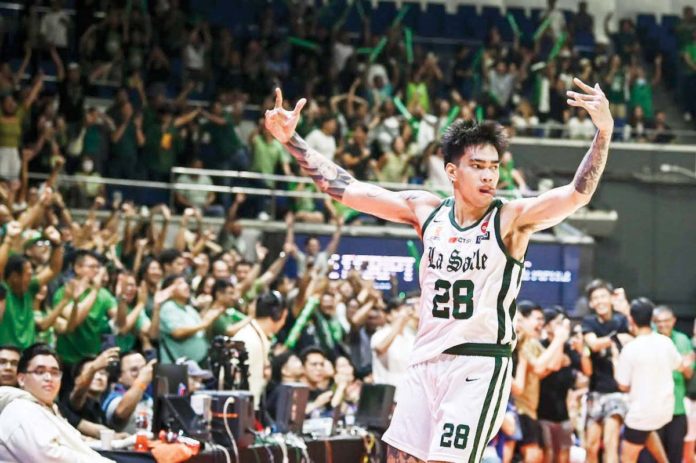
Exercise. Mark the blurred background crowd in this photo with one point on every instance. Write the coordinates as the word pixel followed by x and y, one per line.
pixel 130 89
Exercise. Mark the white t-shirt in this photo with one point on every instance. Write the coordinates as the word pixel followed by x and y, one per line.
pixel 258 347
pixel 390 368
pixel 324 144
pixel 580 129
pixel 646 365
pixel 54 27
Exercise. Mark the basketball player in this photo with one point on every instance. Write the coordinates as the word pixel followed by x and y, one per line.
pixel 459 379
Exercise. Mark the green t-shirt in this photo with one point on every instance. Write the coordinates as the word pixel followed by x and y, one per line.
pixel 86 339
pixel 173 316
pixel 683 345
pixel 616 92
pixel 17 327
pixel 126 148
pixel 418 91
pixel 161 147
pixel 690 50
pixel 228 317
pixel 223 138
pixel 126 342
pixel 47 336
pixel 641 95
pixel 267 155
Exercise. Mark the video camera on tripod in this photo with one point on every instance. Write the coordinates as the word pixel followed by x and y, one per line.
pixel 229 362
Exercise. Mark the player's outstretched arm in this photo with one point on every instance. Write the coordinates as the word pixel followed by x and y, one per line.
pixel 552 207
pixel 411 207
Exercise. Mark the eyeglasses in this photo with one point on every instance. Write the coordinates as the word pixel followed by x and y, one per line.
pixel 12 363
pixel 54 372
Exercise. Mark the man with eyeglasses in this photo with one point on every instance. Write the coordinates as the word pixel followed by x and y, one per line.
pixel 9 359
pixel 31 428
pixel 129 397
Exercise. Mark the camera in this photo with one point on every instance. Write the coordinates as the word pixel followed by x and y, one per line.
pixel 229 362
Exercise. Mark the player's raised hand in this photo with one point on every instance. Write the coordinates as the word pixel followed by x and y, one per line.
pixel 594 102
pixel 282 123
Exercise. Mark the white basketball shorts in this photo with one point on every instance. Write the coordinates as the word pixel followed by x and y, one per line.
pixel 451 406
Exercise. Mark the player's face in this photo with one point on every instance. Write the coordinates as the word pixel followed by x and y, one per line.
pixel 476 175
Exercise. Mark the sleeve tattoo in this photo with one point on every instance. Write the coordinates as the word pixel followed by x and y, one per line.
pixel 329 178
pixel 592 165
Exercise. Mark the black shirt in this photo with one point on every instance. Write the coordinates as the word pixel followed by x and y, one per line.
pixel 553 389
pixel 72 99
pixel 602 379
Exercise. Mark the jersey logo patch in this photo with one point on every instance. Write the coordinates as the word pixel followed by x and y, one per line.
pixel 484 237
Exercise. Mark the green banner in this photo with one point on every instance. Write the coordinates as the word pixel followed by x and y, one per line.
pixel 378 49
pixel 408 44
pixel 308 44
pixel 513 25
pixel 301 322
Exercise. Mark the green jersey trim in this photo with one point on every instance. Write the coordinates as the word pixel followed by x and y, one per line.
pixel 450 202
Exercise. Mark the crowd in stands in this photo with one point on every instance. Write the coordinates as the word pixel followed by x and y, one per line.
pixel 89 306
pixel 178 89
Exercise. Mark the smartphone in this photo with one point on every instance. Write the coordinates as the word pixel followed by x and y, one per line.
pixel 108 341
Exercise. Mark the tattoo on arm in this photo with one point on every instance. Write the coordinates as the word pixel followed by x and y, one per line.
pixel 330 178
pixel 395 455
pixel 592 165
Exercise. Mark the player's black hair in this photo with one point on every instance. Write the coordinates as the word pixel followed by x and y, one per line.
pixel 642 311
pixel 465 134
pixel 526 307
pixel 597 284
pixel 15 264
pixel 35 350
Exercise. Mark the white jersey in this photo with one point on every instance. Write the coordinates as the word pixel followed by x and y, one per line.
pixel 468 283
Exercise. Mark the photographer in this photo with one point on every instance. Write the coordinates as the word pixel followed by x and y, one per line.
pixel 128 397
pixel 256 335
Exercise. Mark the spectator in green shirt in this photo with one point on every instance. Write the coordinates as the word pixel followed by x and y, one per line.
pixel 181 327
pixel 689 56
pixel 95 307
pixel 17 327
pixel 226 296
pixel 163 143
pixel 673 433
pixel 125 141
pixel 132 300
pixel 224 140
pixel 642 88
